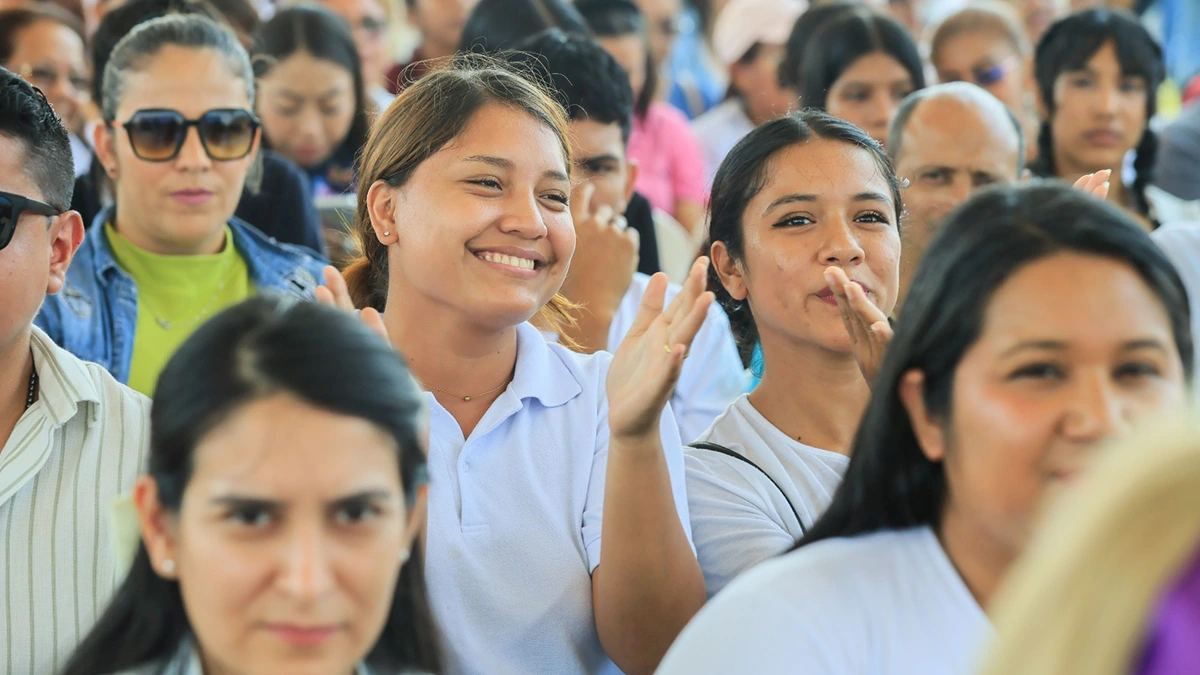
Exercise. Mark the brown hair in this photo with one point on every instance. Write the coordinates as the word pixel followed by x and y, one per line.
pixel 994 17
pixel 429 114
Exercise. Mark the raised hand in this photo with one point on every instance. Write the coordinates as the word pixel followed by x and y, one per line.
pixel 646 366
pixel 1095 184
pixel 606 257
pixel 336 295
pixel 869 329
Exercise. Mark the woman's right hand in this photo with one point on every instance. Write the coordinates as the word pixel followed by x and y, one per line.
pixel 1095 184
pixel 869 328
pixel 336 294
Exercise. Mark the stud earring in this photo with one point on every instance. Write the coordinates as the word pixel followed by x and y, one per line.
pixel 387 234
pixel 168 567
pixel 405 554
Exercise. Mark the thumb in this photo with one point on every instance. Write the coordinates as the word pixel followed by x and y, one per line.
pixel 581 202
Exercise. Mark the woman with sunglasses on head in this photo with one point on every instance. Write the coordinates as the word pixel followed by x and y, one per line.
pixel 985 44
pixel 169 254
pixel 1041 323
pixel 44 44
pixel 277 525
pixel 312 99
pixel 557 530
pixel 1098 73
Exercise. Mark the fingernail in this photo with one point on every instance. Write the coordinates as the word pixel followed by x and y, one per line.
pixel 1106 185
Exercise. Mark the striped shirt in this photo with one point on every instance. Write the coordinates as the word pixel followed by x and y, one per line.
pixel 81 445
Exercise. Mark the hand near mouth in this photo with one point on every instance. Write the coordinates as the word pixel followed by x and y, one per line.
pixel 869 328
pixel 1095 184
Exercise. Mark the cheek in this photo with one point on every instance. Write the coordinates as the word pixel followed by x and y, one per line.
pixel 561 232
pixel 220 577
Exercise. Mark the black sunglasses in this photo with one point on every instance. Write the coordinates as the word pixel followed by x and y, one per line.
pixel 158 135
pixel 11 208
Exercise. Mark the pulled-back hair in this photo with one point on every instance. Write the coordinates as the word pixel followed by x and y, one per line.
pixel 266 346
pixel 430 113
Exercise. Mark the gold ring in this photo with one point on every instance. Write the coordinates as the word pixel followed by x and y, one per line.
pixel 667 349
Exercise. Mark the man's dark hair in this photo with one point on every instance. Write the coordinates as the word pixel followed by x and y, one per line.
pixel 588 81
pixel 26 116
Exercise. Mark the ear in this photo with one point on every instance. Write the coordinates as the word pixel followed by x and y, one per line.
pixel 102 140
pixel 157 526
pixel 632 171
pixel 381 205
pixel 930 431
pixel 729 271
pixel 66 234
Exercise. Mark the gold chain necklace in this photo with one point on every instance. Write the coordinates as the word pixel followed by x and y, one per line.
pixel 466 399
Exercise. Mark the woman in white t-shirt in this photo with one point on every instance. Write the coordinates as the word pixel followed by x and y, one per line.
pixel 542 461
pixel 1041 322
pixel 797 198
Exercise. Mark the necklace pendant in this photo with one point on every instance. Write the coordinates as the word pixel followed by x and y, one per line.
pixel 163 323
pixel 467 399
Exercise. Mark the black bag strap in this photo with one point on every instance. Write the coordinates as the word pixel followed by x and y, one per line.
pixel 700 445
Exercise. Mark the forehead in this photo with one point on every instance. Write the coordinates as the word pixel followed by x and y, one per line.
pixel 590 138
pixel 935 132
pixel 1077 298
pixel 875 68
pixel 47 38
pixel 14 176
pixel 968 47
pixel 304 73
pixel 499 130
pixel 832 170
pixel 210 83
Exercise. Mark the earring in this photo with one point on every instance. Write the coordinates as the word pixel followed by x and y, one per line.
pixel 386 234
pixel 405 554
pixel 168 567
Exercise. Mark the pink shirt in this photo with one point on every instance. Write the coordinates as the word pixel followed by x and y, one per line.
pixel 671 166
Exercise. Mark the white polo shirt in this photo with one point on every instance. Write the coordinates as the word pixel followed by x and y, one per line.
pixel 77 448
pixel 712 375
pixel 739 518
pixel 886 603
pixel 515 517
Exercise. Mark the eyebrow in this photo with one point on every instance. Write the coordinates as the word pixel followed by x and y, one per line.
pixel 1057 345
pixel 300 97
pixel 806 198
pixel 606 157
pixel 244 501
pixel 507 164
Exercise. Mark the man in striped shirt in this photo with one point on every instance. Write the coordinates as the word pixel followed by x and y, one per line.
pixel 72 439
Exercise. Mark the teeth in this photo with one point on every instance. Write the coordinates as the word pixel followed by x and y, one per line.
pixel 511 261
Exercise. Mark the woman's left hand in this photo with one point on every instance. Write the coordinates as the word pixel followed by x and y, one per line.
pixel 869 329
pixel 335 294
pixel 646 365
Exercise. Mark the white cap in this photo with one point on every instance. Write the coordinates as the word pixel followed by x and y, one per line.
pixel 744 23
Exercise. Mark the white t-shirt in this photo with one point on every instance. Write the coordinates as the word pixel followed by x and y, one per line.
pixel 712 375
pixel 739 518
pixel 718 130
pixel 886 603
pixel 1181 244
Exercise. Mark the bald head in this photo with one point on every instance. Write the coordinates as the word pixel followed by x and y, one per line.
pixel 974 110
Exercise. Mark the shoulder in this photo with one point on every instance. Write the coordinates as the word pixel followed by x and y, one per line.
pixel 300 269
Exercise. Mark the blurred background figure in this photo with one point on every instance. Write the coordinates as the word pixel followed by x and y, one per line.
pixel 500 24
pixel 985 44
pixel 1110 585
pixel 439 25
pixel 368 21
pixel 748 38
pixel 1037 15
pixel 45 45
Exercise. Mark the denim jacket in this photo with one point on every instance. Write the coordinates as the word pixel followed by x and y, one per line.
pixel 95 315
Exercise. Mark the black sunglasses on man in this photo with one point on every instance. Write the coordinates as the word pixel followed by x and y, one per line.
pixel 11 208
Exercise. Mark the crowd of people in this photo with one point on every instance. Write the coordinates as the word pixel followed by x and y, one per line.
pixel 599 336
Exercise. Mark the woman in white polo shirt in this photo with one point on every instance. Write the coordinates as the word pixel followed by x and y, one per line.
pixel 1042 322
pixel 797 197
pixel 542 461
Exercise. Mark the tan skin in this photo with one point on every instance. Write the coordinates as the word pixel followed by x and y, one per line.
pixel 307 108
pixel 33 265
pixel 368 22
pixel 757 81
pixel 825 207
pixel 501 187
pixel 1099 115
pixel 48 48
pixel 1073 350
pixel 942 172
pixel 440 23
pixel 868 93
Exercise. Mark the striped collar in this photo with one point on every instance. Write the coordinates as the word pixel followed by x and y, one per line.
pixel 63 380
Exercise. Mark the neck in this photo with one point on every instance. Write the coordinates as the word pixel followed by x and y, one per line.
pixel 981 561
pixel 16 366
pixel 142 237
pixel 811 394
pixel 430 50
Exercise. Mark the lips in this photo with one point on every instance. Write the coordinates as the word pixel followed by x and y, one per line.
pixel 304 636
pixel 1103 137
pixel 826 294
pixel 192 196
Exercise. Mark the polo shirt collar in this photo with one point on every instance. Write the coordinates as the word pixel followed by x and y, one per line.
pixel 541 371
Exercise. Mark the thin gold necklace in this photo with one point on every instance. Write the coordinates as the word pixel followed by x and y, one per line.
pixel 466 399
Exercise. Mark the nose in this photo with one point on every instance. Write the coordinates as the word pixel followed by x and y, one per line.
pixel 1095 411
pixel 840 247
pixel 1107 100
pixel 307 572
pixel 308 126
pixel 192 156
pixel 523 216
pixel 882 107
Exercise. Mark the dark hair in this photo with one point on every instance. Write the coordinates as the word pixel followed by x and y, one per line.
pixel 745 172
pixel 1067 46
pixel 27 117
pixel 620 18
pixel 890 484
pixel 588 81
pixel 964 92
pixel 266 346
pixel 847 37
pixel 427 115
pixel 791 67
pixel 15 20
pixel 147 39
pixel 500 24
pixel 325 36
